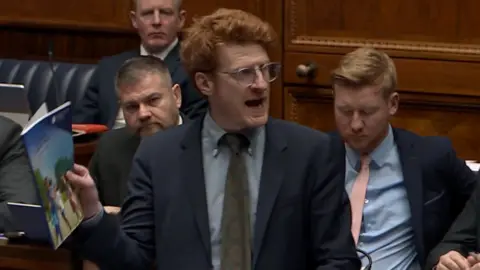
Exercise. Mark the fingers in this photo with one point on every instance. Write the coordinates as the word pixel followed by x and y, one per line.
pixel 79 169
pixel 453 261
pixel 471 260
pixel 474 257
pixel 75 179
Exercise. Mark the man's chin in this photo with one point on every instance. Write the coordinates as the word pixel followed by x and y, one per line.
pixel 257 121
pixel 157 46
pixel 148 130
pixel 358 146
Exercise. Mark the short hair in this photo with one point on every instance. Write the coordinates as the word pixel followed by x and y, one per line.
pixel 177 4
pixel 366 67
pixel 224 26
pixel 135 69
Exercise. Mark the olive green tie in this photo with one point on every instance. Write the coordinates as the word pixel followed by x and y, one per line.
pixel 236 249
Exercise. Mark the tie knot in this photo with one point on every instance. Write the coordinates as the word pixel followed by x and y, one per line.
pixel 365 161
pixel 236 142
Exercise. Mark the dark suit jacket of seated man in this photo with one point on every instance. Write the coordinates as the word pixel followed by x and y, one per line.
pixel 111 163
pixel 100 102
pixel 16 178
pixel 463 236
pixel 437 183
pixel 302 219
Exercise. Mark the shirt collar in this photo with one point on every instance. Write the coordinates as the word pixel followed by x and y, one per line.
pixel 162 55
pixel 213 132
pixel 180 120
pixel 378 155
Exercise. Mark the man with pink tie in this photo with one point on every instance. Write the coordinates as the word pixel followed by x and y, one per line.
pixel 405 189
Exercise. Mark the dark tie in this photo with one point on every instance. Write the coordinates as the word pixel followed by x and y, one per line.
pixel 236 250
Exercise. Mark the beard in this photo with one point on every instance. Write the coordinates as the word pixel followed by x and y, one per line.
pixel 148 129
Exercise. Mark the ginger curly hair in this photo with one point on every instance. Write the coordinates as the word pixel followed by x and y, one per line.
pixel 224 26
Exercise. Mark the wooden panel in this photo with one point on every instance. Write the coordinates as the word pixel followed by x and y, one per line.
pixel 440 29
pixel 425 114
pixel 429 76
pixel 69 45
pixel 33 257
pixel 93 14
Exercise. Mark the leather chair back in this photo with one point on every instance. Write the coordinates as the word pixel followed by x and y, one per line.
pixel 68 83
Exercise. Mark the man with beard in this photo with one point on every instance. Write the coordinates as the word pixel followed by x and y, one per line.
pixel 150 102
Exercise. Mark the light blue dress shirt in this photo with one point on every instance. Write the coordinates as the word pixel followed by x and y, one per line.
pixel 386 232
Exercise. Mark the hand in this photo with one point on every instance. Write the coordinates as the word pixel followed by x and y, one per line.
pixel 85 188
pixel 476 267
pixel 473 258
pixel 112 209
pixel 453 261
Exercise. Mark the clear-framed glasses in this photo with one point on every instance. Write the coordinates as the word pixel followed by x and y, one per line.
pixel 247 76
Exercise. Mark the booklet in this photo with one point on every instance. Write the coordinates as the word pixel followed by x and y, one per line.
pixel 49 145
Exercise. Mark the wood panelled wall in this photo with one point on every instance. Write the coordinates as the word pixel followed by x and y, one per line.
pixel 84 31
pixel 435 45
pixel 81 31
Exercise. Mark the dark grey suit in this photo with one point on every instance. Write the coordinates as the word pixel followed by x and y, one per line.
pixel 16 178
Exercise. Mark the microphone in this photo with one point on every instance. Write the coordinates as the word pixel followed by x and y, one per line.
pixel 56 86
pixel 369 259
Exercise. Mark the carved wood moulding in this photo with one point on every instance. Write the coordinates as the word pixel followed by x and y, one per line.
pixel 450 48
pixel 414 46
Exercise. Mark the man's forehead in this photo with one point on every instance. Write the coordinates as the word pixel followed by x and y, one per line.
pixel 138 95
pixel 147 4
pixel 236 56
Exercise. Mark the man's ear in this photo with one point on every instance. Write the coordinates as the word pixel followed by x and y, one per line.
pixel 133 19
pixel 177 94
pixel 181 18
pixel 393 103
pixel 204 83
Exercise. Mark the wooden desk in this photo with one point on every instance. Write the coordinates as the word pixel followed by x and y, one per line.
pixel 34 257
pixel 84 152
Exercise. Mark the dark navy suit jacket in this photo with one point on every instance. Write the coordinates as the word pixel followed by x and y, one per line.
pixel 437 182
pixel 100 103
pixel 302 220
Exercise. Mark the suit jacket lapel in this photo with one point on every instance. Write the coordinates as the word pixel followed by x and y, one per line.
pixel 172 60
pixel 412 177
pixel 194 181
pixel 339 146
pixel 270 182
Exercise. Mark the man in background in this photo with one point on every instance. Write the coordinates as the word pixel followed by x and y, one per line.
pixel 405 190
pixel 16 178
pixel 158 23
pixel 150 102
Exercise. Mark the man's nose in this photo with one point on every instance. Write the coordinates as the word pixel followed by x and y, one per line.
pixel 156 17
pixel 356 123
pixel 144 112
pixel 260 83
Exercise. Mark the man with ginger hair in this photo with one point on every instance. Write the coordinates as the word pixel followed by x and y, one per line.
pixel 405 190
pixel 233 190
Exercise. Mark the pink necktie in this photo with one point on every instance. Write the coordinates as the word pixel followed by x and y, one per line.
pixel 357 198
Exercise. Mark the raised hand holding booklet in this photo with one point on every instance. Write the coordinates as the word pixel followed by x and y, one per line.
pixel 49 145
